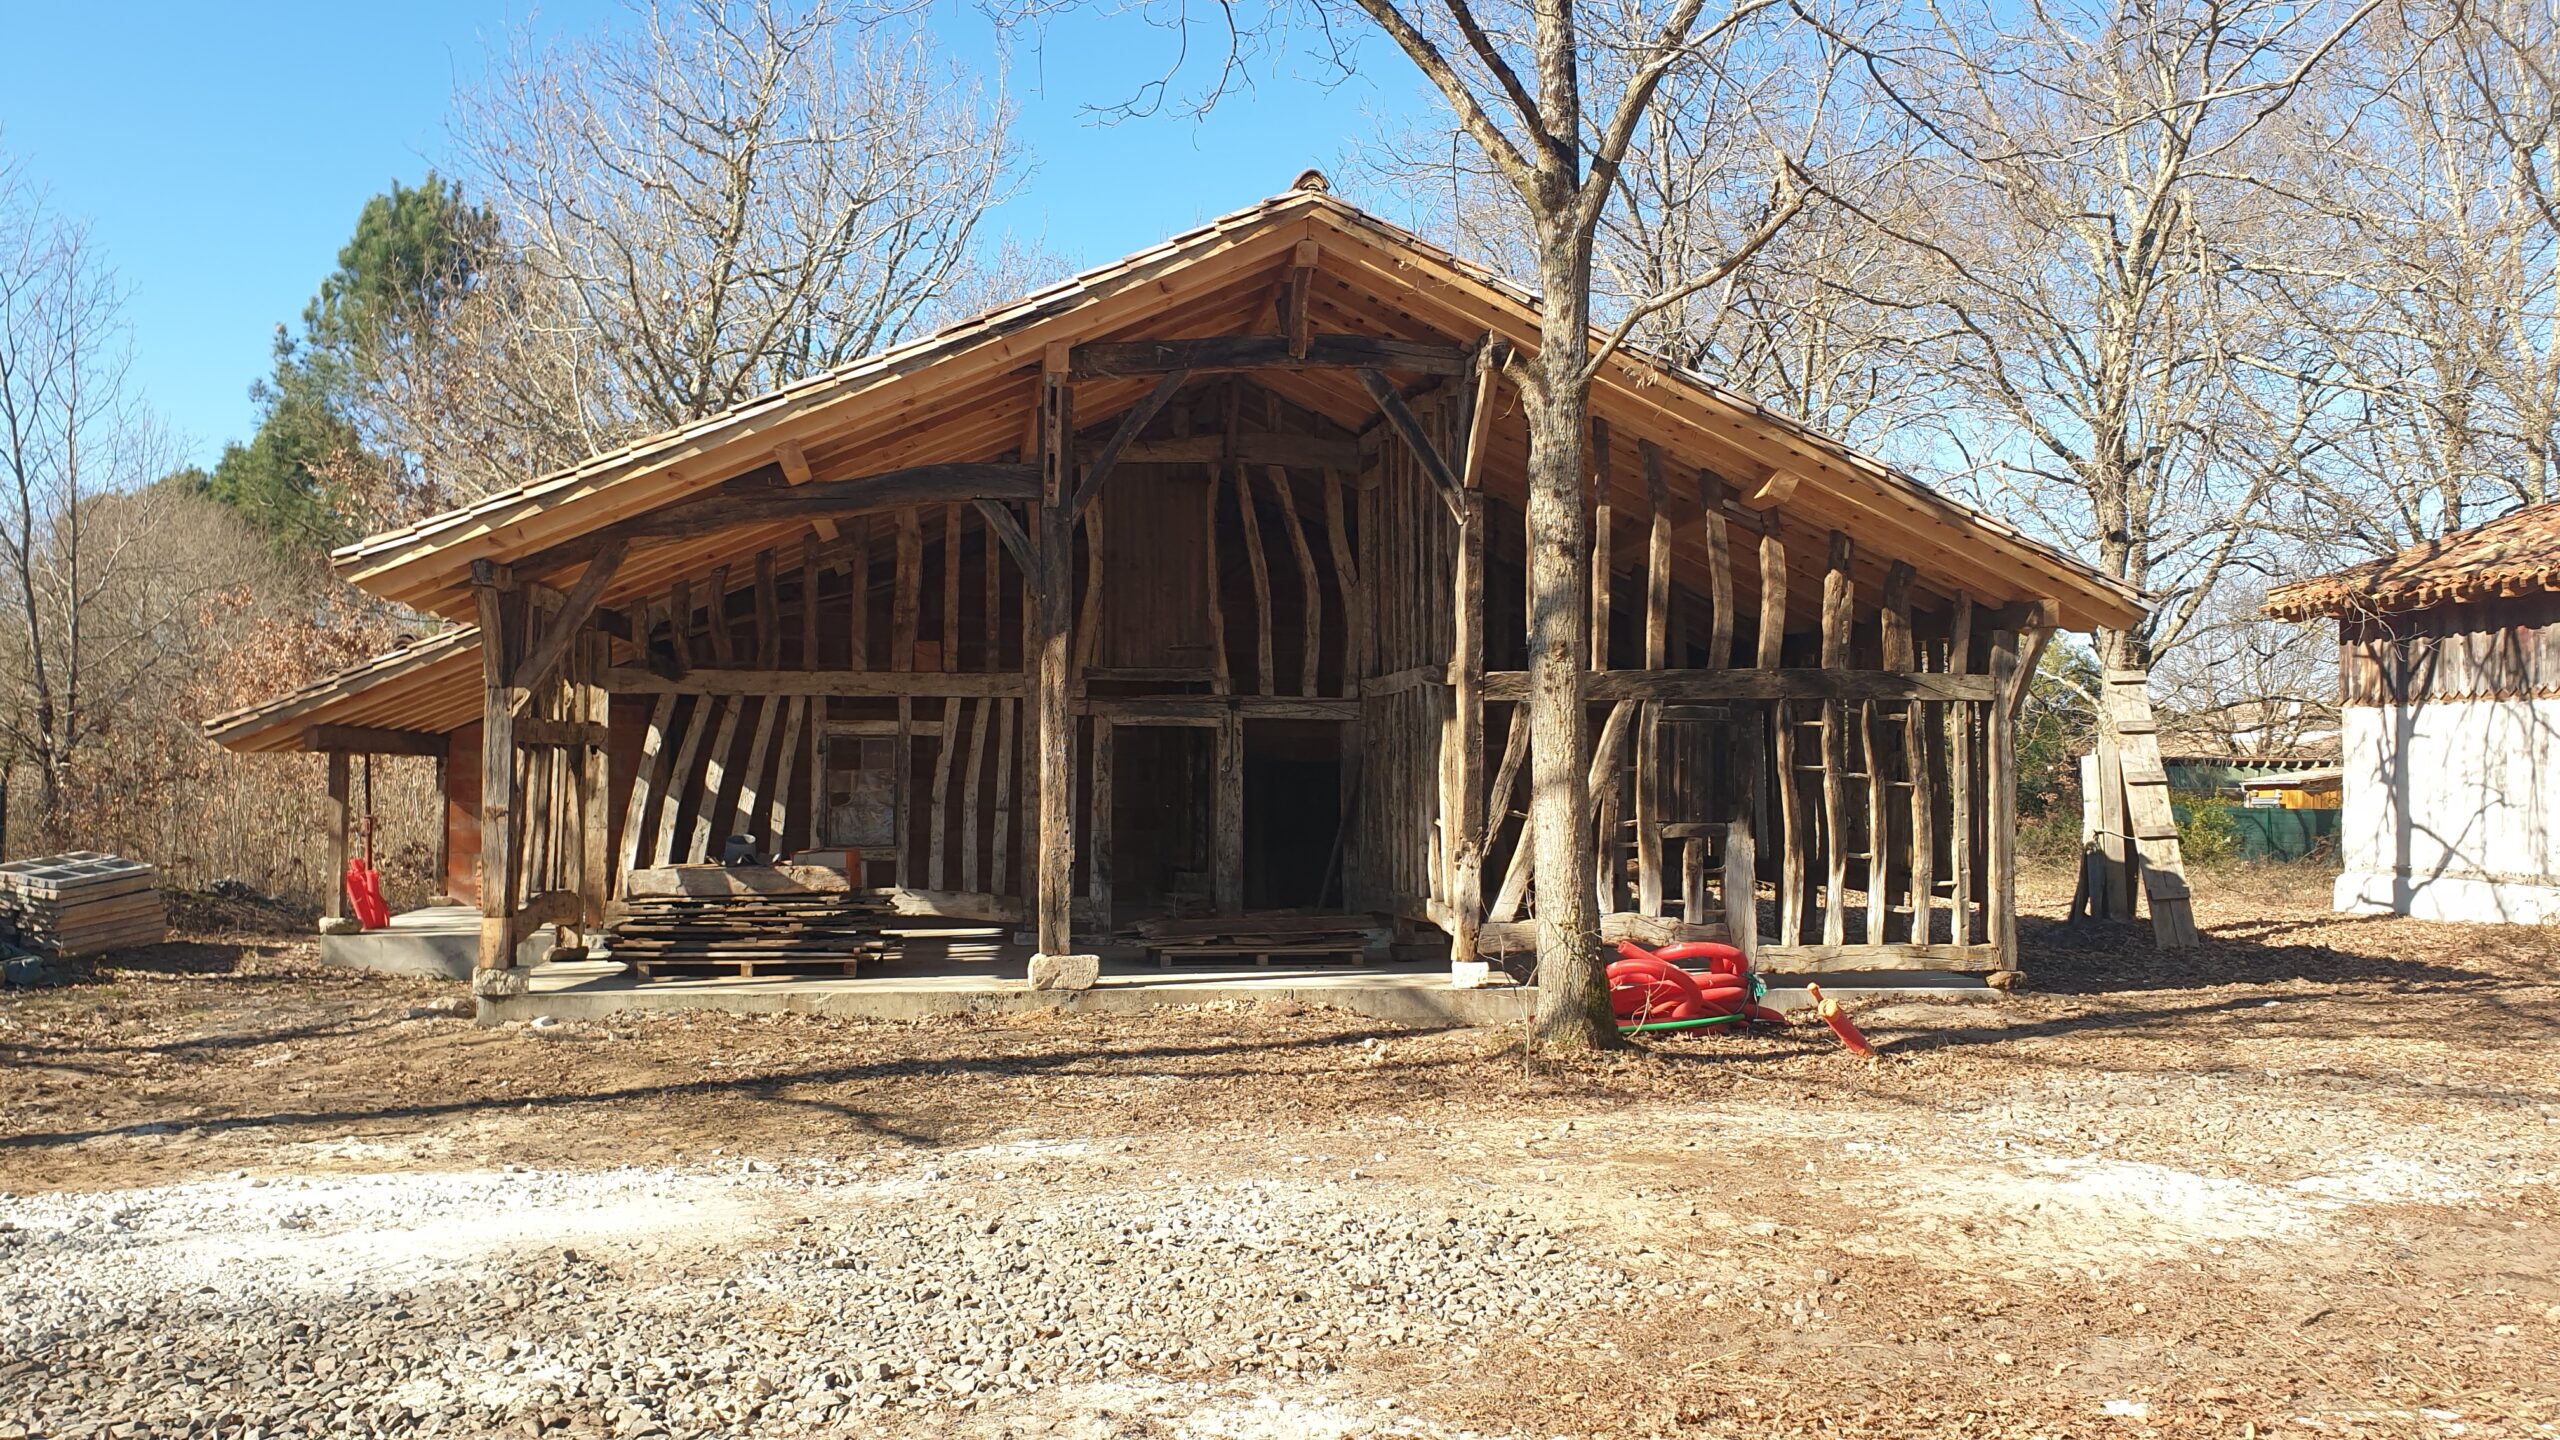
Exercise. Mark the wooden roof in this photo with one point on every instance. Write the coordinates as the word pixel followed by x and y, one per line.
pixel 964 395
pixel 2515 554
pixel 431 686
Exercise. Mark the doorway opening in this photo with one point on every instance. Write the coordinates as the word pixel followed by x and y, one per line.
pixel 1160 827
pixel 1292 814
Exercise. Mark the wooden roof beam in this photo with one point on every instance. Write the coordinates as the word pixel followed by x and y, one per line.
pixel 372 740
pixel 1391 403
pixel 1100 360
pixel 753 499
pixel 1130 424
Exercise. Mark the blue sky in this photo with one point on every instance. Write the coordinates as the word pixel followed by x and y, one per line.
pixel 222 158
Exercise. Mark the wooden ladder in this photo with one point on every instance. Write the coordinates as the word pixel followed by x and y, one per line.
pixel 2133 806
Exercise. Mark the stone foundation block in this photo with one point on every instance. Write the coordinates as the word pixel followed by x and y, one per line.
pixel 1065 972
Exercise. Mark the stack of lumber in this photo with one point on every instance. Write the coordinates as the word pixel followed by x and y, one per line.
pixel 750 934
pixel 1291 939
pixel 82 903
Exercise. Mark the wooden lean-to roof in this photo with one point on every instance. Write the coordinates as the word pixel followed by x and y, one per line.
pixel 964 395
pixel 429 686
pixel 2513 555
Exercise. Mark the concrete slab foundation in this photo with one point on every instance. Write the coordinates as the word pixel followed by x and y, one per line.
pixel 438 943
pixel 979 977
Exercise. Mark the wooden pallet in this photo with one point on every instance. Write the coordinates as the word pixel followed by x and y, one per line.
pixel 699 965
pixel 2138 833
pixel 1288 938
pixel 1352 953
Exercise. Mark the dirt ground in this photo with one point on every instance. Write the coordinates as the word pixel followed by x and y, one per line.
pixel 2297 1182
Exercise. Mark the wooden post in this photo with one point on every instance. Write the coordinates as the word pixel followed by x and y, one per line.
pixel 937 815
pixel 905 600
pixel 1600 517
pixel 1719 575
pixel 1741 873
pixel 716 616
pixel 1220 682
pixel 1836 599
pixel 1310 586
pixel 500 605
pixel 1768 652
pixel 1258 569
pixel 902 772
pixel 1346 570
pixel 2002 783
pixel 857 575
pixel 444 823
pixel 339 822
pixel 1466 808
pixel 595 784
pixel 1657 655
pixel 1960 774
pixel 1226 817
pixel 951 585
pixel 1098 817
pixel 1053 843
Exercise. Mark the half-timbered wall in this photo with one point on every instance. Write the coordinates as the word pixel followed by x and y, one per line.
pixel 1826 781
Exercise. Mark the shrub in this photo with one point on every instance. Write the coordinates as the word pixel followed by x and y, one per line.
pixel 2207 835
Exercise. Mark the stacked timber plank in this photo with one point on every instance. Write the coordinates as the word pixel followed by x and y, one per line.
pixel 1290 939
pixel 82 903
pixel 824 934
pixel 773 920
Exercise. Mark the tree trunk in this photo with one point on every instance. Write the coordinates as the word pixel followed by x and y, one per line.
pixel 1573 993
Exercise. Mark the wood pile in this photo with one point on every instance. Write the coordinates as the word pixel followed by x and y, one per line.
pixel 803 934
pixel 1291 939
pixel 82 903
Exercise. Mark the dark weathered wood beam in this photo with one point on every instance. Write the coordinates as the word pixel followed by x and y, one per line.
pixel 1002 523
pixel 1297 319
pixel 764 497
pixel 370 740
pixel 557 636
pixel 1713 685
pixel 1400 416
pixel 500 603
pixel 1252 447
pixel 1102 360
pixel 1130 424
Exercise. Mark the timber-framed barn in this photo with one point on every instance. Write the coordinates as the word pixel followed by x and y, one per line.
pixel 1195 586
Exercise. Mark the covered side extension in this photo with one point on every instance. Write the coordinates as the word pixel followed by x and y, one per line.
pixel 1195 586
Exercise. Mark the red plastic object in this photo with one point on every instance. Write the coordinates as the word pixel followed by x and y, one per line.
pixel 1840 1023
pixel 1721 958
pixel 364 894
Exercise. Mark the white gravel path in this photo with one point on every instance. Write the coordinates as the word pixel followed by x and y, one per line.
pixel 1000 1291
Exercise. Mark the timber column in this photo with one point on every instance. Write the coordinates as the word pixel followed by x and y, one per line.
pixel 1053 967
pixel 501 608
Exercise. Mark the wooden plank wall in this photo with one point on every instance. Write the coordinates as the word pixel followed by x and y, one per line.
pixel 925 598
pixel 1407 562
pixel 1870 820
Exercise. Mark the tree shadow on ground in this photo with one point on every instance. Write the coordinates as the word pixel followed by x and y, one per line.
pixel 2099 957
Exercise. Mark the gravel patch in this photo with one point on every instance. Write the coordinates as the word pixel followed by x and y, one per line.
pixel 958 1294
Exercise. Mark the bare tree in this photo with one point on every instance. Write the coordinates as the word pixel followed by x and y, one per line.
pixel 2427 166
pixel 735 195
pixel 1514 79
pixel 2095 238
pixel 1817 325
pixel 97 600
